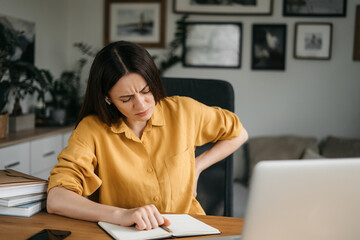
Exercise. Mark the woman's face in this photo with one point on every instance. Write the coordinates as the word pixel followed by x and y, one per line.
pixel 132 97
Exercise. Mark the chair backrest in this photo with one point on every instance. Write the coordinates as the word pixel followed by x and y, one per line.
pixel 215 185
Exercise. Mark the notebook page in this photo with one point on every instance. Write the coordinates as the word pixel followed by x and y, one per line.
pixel 131 233
pixel 186 225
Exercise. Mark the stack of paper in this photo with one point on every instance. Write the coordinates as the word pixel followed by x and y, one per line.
pixel 21 194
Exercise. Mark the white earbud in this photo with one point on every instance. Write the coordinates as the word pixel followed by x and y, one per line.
pixel 107 101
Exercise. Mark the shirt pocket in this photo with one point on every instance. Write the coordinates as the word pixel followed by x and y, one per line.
pixel 181 169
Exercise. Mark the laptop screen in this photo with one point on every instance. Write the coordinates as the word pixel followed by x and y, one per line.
pixel 304 199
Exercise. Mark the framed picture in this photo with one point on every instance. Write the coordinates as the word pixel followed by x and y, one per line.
pixel 268 46
pixel 13 26
pixel 136 21
pixel 313 41
pixel 229 7
pixel 314 8
pixel 212 44
pixel 357 35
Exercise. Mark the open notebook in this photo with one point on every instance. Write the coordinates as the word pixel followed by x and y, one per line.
pixel 182 225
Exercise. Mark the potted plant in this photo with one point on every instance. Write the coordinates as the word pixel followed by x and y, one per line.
pixel 5 50
pixel 4 94
pixel 19 77
pixel 64 92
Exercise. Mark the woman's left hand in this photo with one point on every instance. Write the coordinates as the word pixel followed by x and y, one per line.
pixel 217 152
pixel 195 185
pixel 197 174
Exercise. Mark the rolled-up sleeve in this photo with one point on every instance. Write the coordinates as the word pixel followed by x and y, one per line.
pixel 217 124
pixel 76 168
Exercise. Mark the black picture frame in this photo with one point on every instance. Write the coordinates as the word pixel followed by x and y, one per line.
pixel 139 21
pixel 313 41
pixel 356 55
pixel 314 8
pixel 212 44
pixel 27 29
pixel 211 7
pixel 268 49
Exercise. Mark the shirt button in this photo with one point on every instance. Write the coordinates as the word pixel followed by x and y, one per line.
pixel 156 198
pixel 150 170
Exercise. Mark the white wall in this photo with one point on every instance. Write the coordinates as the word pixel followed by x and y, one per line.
pixel 310 98
pixel 85 24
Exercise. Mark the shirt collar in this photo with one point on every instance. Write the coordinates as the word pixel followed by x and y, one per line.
pixel 157 119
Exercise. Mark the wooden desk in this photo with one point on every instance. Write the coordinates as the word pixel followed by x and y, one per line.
pixel 23 227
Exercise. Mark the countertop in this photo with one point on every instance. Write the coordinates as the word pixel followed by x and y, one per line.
pixel 32 134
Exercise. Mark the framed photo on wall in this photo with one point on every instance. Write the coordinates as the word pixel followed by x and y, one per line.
pixel 14 26
pixel 136 21
pixel 313 41
pixel 212 44
pixel 229 7
pixel 268 46
pixel 314 8
pixel 357 35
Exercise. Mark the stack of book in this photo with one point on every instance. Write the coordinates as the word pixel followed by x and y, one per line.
pixel 21 194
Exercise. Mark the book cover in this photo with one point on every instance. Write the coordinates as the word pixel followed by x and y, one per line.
pixel 26 210
pixel 182 225
pixel 22 199
pixel 14 183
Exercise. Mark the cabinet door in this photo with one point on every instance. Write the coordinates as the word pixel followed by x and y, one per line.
pixel 16 157
pixel 66 137
pixel 44 154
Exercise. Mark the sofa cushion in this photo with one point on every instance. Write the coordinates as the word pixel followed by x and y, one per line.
pixel 278 148
pixel 336 147
pixel 311 154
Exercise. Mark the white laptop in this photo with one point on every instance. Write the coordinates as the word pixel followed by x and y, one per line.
pixel 304 200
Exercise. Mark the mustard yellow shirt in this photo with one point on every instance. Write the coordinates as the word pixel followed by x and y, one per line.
pixel 157 169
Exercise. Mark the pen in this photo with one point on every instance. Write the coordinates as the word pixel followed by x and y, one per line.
pixel 166 229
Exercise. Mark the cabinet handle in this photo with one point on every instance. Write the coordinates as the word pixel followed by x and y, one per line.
pixel 12 165
pixel 48 154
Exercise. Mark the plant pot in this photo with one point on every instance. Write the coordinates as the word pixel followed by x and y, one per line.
pixel 58 116
pixel 3 125
pixel 21 122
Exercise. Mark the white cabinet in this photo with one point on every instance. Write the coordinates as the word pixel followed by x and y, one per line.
pixel 16 157
pixel 66 137
pixel 43 155
pixel 36 156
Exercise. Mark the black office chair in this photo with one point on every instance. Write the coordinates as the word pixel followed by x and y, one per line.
pixel 215 185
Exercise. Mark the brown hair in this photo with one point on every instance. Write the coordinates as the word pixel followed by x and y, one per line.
pixel 110 64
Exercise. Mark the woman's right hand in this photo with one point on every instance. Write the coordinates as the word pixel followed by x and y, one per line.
pixel 68 203
pixel 144 218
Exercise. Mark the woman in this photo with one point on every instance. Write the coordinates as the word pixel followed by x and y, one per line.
pixel 133 147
